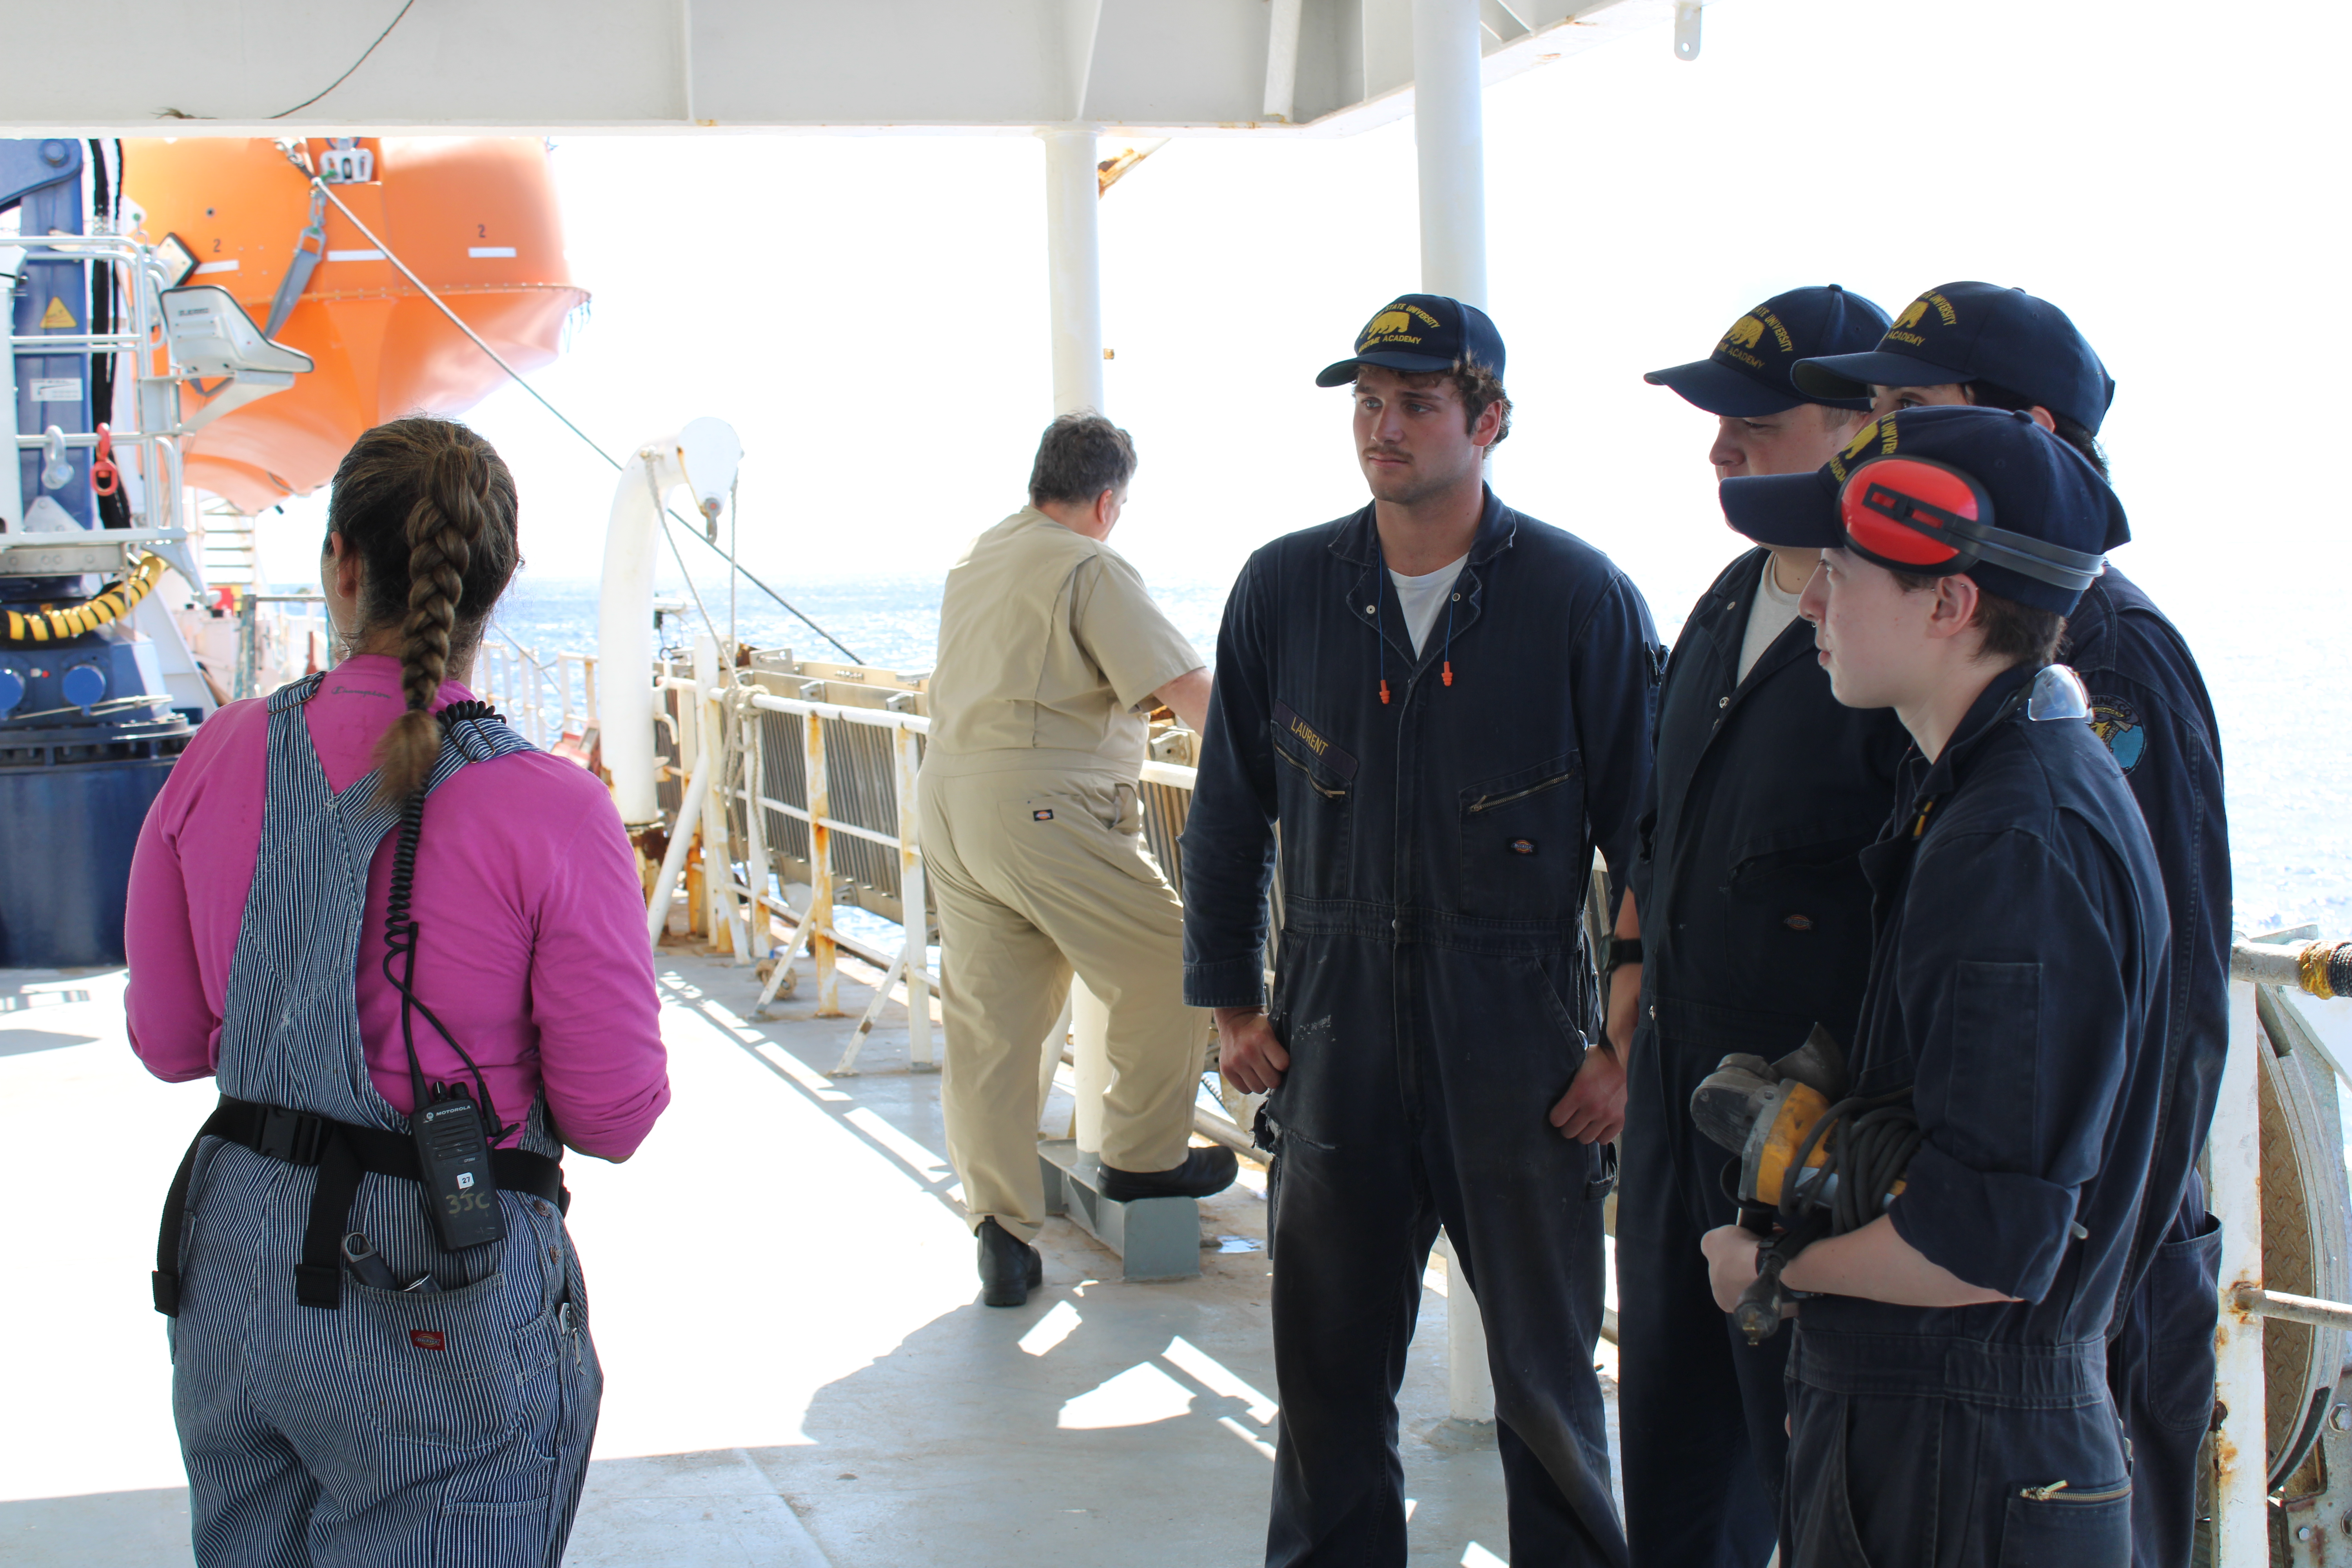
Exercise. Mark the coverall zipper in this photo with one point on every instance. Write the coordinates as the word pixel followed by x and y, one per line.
pixel 1318 786
pixel 1488 802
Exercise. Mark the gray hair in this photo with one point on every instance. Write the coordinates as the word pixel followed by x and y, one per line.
pixel 1081 456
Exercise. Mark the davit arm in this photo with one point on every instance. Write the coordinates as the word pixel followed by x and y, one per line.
pixel 702 457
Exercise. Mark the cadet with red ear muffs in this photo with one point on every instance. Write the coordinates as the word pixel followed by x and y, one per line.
pixel 1444 705
pixel 2002 348
pixel 1754 927
pixel 378 1324
pixel 1947 1379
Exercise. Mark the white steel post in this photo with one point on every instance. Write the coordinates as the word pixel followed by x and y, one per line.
pixel 1448 134
pixel 1282 17
pixel 1090 1068
pixel 1469 1385
pixel 1074 269
pixel 2241 1438
pixel 749 727
pixel 718 755
pixel 911 897
pixel 819 909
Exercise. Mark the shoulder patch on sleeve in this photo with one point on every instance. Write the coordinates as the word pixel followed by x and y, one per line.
pixel 2116 722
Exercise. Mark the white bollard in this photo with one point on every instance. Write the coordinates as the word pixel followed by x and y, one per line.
pixel 1469 1383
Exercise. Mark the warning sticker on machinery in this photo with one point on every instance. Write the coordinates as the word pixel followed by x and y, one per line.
pixel 57 318
pixel 57 389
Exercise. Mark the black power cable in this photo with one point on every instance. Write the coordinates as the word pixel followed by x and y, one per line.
pixel 356 64
pixel 1870 1142
pixel 105 201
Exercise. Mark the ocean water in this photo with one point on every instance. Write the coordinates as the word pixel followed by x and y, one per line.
pixel 2282 737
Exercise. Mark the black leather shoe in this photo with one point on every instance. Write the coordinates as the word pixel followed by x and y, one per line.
pixel 1204 1173
pixel 1009 1269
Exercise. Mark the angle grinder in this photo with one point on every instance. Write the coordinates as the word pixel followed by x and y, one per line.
pixel 1803 1148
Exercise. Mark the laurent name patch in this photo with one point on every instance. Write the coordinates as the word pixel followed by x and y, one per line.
pixel 1340 762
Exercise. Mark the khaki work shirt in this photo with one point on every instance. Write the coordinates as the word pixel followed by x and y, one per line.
pixel 1049 645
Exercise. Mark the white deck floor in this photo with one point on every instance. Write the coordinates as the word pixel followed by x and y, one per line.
pixel 822 1387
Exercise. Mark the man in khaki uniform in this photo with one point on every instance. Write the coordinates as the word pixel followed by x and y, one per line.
pixel 1051 653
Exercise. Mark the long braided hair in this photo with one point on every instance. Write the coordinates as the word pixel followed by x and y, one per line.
pixel 430 508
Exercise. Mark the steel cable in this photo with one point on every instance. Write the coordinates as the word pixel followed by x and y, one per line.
pixel 516 376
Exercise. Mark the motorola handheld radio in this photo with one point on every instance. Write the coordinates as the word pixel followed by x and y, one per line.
pixel 451 1127
pixel 453 1151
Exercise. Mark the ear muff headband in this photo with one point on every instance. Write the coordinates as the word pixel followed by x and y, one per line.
pixel 1912 514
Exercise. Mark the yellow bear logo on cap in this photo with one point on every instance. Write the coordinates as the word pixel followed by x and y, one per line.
pixel 1881 431
pixel 1747 331
pixel 1390 321
pixel 1912 313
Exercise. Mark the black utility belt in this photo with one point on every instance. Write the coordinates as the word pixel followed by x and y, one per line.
pixel 343 1151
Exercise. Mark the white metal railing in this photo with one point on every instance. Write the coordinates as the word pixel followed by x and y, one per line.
pixel 842 797
pixel 546 700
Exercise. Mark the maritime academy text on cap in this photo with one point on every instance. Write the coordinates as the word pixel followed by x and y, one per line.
pixel 1747 375
pixel 1976 332
pixel 1945 490
pixel 1417 333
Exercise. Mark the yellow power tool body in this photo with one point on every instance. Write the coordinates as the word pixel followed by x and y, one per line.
pixel 1793 1129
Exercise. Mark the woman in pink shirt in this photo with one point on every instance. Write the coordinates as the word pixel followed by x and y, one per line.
pixel 363 898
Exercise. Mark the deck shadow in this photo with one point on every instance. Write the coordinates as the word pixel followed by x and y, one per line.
pixel 149 1528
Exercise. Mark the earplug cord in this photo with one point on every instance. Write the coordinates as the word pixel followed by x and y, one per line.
pixel 1447 673
pixel 1380 620
pixel 400 938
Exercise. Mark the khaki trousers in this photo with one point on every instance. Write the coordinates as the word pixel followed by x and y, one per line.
pixel 1039 873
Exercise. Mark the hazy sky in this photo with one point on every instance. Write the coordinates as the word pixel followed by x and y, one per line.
pixel 870 312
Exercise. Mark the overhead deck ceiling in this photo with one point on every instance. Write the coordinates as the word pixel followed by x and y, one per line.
pixel 1144 67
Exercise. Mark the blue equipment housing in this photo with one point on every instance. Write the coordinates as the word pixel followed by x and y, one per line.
pixel 82 753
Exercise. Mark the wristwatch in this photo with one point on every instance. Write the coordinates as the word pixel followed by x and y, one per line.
pixel 1623 949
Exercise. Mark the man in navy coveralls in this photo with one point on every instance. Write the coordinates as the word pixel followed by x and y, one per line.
pixel 1754 926
pixel 1444 706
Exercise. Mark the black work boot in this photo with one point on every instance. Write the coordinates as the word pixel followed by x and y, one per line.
pixel 1009 1269
pixel 1204 1172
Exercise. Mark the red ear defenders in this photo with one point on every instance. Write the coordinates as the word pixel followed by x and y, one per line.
pixel 1910 514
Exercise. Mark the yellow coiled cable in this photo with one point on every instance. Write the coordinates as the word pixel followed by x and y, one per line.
pixel 118 601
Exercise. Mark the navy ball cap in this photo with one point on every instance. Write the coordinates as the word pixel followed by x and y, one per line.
pixel 1417 333
pixel 1747 375
pixel 2039 485
pixel 1977 331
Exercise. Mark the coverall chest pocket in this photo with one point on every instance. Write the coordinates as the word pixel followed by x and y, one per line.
pixel 1315 792
pixel 1523 841
pixel 1796 909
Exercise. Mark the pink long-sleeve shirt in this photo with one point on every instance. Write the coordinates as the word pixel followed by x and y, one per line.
pixel 532 920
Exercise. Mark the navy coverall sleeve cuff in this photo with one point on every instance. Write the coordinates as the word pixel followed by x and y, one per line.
pixel 1224 983
pixel 1998 1230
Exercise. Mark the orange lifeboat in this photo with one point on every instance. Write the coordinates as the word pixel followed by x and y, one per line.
pixel 476 219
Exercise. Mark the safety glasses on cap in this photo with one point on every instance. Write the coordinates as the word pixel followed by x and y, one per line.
pixel 1911 514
